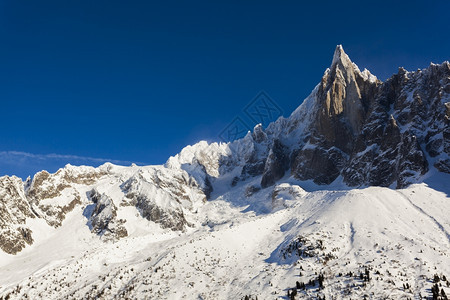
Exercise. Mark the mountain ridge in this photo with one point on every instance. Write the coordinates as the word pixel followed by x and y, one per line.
pixel 352 131
pixel 338 131
pixel 324 144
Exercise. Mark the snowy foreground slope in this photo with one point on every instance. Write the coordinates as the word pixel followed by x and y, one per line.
pixel 240 247
pixel 347 198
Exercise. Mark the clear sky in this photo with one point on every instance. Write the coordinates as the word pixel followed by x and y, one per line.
pixel 135 81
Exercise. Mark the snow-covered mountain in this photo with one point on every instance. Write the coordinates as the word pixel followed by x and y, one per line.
pixel 347 197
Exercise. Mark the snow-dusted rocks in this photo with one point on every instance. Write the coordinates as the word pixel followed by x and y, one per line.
pixel 352 126
pixel 276 164
pixel 407 123
pixel 361 129
pixel 103 219
pixel 105 196
pixel 285 192
pixel 52 196
pixel 14 211
pixel 160 196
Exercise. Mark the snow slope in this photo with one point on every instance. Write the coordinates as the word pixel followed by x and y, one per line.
pixel 244 247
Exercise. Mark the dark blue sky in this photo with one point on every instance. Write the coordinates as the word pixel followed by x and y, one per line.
pixel 137 80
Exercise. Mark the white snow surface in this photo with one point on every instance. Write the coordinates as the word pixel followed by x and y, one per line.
pixel 236 246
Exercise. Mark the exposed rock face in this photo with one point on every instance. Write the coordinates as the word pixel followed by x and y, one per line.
pixel 407 118
pixel 251 190
pixel 161 197
pixel 52 196
pixel 343 100
pixel 47 196
pixel 344 96
pixel 256 160
pixel 103 220
pixel 13 241
pixel 144 195
pixel 374 133
pixel 320 164
pixel 14 210
pixel 276 164
pixel 355 127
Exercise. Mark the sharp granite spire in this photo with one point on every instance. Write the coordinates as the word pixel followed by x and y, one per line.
pixel 340 57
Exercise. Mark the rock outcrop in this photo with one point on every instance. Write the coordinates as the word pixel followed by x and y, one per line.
pixel 103 220
pixel 276 164
pixel 161 196
pixel 158 194
pixel 14 211
pixel 52 196
pixel 358 128
pixel 407 123
pixel 343 99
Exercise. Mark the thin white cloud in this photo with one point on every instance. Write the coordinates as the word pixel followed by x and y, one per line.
pixel 15 157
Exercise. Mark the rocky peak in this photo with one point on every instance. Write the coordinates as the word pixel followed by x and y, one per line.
pixel 344 96
pixel 355 126
pixel 258 134
pixel 343 99
pixel 374 133
pixel 341 59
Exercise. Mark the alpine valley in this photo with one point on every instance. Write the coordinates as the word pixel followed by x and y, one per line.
pixel 347 198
